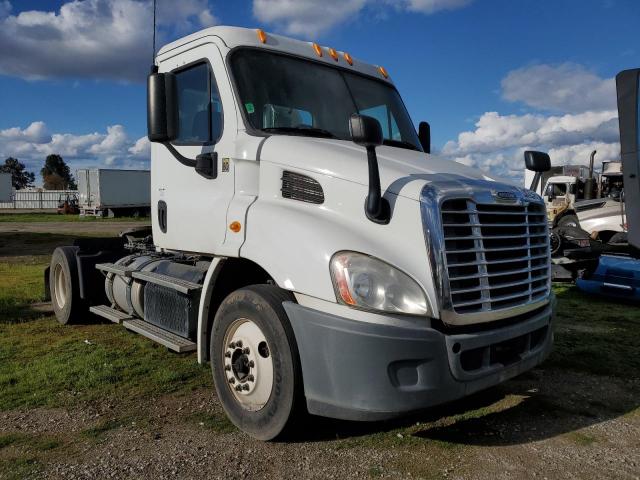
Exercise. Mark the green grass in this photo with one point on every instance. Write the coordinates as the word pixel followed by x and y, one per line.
pixel 218 423
pixel 54 217
pixel 581 439
pixel 19 468
pixel 596 335
pixel 43 363
pixel 21 284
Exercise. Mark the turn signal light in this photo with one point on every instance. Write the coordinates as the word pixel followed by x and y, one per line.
pixel 261 36
pixel 317 48
pixel 383 71
pixel 235 227
pixel 333 53
pixel 348 58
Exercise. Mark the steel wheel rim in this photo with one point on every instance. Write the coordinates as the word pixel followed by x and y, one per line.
pixel 60 283
pixel 248 366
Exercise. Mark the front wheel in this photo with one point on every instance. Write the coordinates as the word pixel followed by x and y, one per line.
pixel 255 363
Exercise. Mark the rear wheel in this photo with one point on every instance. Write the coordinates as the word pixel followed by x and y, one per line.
pixel 255 364
pixel 63 282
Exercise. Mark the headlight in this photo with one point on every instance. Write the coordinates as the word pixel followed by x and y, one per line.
pixel 365 282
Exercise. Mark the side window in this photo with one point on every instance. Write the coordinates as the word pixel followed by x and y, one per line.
pixel 199 106
pixel 390 130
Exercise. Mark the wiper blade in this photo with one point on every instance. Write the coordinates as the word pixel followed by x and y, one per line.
pixel 306 131
pixel 400 144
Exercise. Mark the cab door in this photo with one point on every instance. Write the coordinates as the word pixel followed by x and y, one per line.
pixel 189 209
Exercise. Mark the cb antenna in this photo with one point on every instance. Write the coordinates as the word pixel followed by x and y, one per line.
pixel 154 67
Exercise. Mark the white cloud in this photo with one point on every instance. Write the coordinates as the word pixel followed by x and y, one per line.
pixel 433 6
pixel 112 148
pixel 588 122
pixel 566 88
pixel 312 17
pixel 141 149
pixel 496 132
pixel 306 17
pixel 108 39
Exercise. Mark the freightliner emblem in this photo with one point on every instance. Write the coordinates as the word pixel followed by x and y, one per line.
pixel 506 196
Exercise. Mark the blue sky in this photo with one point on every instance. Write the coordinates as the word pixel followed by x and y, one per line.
pixel 493 77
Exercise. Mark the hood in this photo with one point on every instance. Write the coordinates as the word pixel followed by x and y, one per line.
pixel 402 172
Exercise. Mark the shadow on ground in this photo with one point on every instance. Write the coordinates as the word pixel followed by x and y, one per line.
pixel 21 243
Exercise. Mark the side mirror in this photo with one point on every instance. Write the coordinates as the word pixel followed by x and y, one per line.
pixel 162 107
pixel 537 161
pixel 424 135
pixel 365 131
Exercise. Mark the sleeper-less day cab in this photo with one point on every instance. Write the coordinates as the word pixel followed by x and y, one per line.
pixel 306 244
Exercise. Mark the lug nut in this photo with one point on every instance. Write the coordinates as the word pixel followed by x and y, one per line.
pixel 232 345
pixel 251 364
pixel 251 378
pixel 227 367
pixel 246 350
pixel 239 344
pixel 232 380
pixel 238 388
pixel 227 354
pixel 245 387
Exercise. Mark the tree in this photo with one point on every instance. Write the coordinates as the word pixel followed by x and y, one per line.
pixel 56 174
pixel 20 178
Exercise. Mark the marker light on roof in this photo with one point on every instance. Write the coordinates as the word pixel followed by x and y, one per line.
pixel 348 58
pixel 317 48
pixel 383 71
pixel 333 53
pixel 261 36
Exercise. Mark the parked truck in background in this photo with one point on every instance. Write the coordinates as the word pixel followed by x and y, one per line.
pixel 308 246
pixel 114 192
pixel 6 187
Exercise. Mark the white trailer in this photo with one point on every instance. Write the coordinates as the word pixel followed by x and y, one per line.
pixel 6 188
pixel 307 245
pixel 113 192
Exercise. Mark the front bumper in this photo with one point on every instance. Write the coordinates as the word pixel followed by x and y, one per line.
pixel 355 370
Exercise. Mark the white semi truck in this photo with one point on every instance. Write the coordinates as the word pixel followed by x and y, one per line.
pixel 306 244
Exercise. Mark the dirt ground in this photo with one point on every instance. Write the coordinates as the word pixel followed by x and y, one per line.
pixel 559 421
pixel 547 425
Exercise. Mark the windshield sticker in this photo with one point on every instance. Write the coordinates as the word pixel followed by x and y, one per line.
pixel 249 107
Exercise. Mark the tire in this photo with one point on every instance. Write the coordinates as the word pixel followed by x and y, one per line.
pixel 569 221
pixel 270 405
pixel 63 282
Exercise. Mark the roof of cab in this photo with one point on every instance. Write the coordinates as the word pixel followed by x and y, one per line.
pixel 239 36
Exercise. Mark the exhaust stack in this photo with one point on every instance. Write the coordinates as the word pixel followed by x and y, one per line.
pixel 590 182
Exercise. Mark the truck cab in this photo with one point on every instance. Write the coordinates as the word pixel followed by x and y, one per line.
pixel 560 195
pixel 307 245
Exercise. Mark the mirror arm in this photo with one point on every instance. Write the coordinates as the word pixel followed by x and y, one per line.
pixel 535 182
pixel 178 156
pixel 376 207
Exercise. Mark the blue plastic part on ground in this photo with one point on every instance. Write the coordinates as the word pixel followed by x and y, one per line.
pixel 615 276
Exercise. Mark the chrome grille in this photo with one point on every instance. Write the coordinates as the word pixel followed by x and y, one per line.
pixel 496 255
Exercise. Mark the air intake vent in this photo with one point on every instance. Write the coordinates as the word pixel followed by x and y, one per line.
pixel 300 187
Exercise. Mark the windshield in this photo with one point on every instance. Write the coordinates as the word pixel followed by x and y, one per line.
pixel 288 95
